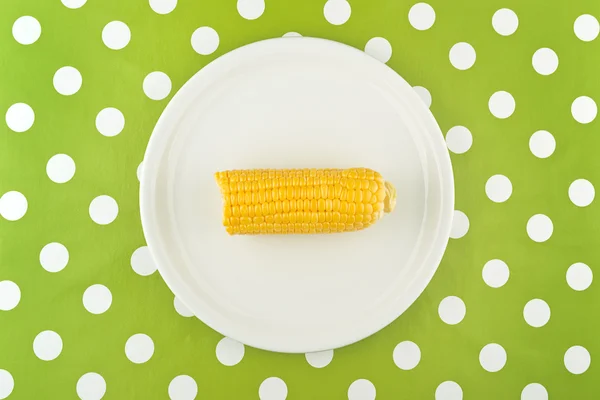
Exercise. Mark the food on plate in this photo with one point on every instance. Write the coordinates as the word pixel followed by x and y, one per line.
pixel 301 201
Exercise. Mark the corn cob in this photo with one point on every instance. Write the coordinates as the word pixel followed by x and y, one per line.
pixel 270 201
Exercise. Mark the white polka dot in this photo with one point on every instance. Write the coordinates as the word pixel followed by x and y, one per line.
pixel 460 225
pixel 583 109
pixel 502 104
pixel 448 390
pixel 536 313
pixel 581 192
pixel 492 357
pixel 157 85
pixel 423 94
pixel 73 3
pixel 272 388
pixel 251 9
pixel 577 360
pixel 421 16
pixel 13 205
pixel 10 295
pixel 361 389
pixel 534 391
pixel 539 228
pixel 542 144
pixel 67 81
pixel 91 386
pixel 60 168
pixel 139 171
pixel 586 27
pixel 462 56
pixel 452 310
pixel 163 6
pixel 544 61
pixel 292 34
pixel 139 348
pixel 205 40
pixel 495 273
pixel 459 139
pixel 97 299
pixel 337 12
pixel 116 35
pixel 110 121
pixel 183 387
pixel 19 117
pixel 579 276
pixel 26 30
pixel 379 48
pixel 181 308
pixel 7 384
pixel 229 352
pixel 498 188
pixel 407 355
pixel 103 210
pixel 47 345
pixel 54 257
pixel 142 262
pixel 505 21
pixel 319 359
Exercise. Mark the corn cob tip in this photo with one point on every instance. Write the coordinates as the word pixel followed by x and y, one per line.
pixel 389 203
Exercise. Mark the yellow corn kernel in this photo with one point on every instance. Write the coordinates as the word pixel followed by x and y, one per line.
pixel 335 205
pixel 344 194
pixel 335 216
pixel 303 201
pixel 337 190
pixel 359 196
pixel 351 208
pixel 321 205
pixel 351 195
pixel 373 186
pixel 360 208
pixel 328 205
pixel 321 216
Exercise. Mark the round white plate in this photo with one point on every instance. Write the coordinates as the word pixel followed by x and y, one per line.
pixel 296 103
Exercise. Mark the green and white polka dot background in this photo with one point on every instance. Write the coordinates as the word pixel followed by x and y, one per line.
pixel 511 312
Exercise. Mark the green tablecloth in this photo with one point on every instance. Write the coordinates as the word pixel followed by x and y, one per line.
pixel 510 313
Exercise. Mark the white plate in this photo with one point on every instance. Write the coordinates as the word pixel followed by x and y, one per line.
pixel 296 103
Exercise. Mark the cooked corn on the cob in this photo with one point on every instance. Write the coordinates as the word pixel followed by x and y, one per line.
pixel 271 201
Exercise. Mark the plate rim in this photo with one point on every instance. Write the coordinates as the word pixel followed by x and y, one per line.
pixel 149 174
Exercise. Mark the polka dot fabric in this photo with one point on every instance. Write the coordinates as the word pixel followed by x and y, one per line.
pixel 507 314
